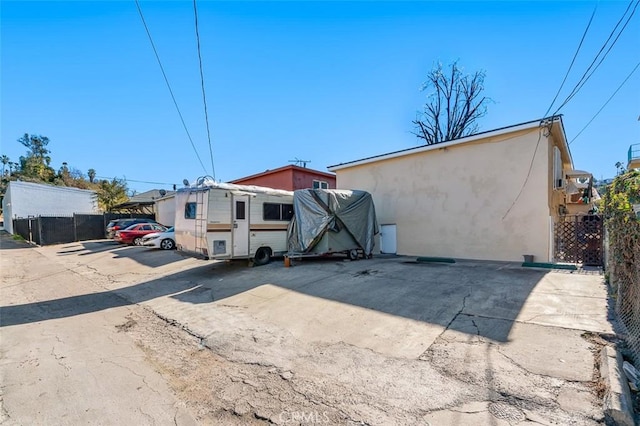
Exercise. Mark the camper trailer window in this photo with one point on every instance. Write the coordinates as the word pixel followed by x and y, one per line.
pixel 190 211
pixel 287 211
pixel 240 210
pixel 272 211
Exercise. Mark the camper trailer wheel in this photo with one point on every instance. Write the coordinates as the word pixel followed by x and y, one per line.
pixel 263 256
pixel 353 254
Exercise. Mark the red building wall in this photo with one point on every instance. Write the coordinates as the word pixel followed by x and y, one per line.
pixel 282 179
pixel 303 179
pixel 289 178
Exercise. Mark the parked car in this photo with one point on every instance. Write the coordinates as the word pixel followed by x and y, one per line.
pixel 162 240
pixel 134 233
pixel 118 224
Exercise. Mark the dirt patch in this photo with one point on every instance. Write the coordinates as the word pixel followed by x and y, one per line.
pixel 365 272
pixel 129 323
pixel 598 340
pixel 218 391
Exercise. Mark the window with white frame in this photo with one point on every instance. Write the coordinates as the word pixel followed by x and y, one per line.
pixel 558 178
pixel 320 184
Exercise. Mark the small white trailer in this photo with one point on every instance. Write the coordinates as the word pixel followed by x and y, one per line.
pixel 227 221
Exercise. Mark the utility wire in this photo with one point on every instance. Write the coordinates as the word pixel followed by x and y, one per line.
pixel 533 157
pixel 575 55
pixel 204 96
pixel 166 80
pixel 136 181
pixel 605 104
pixel 605 55
pixel 589 72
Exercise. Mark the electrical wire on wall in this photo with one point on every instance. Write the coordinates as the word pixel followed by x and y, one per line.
pixel 545 129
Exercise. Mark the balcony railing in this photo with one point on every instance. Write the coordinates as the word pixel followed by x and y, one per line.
pixel 634 156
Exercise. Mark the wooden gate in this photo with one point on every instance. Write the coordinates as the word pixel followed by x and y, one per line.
pixel 579 239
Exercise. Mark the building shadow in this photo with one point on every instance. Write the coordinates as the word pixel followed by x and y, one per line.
pixel 146 256
pixel 8 243
pixel 420 292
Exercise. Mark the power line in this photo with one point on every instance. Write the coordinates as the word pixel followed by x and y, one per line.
pixel 533 157
pixel 589 72
pixel 606 53
pixel 605 104
pixel 575 55
pixel 166 80
pixel 204 97
pixel 136 181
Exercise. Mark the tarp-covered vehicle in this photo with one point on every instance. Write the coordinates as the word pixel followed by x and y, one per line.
pixel 328 221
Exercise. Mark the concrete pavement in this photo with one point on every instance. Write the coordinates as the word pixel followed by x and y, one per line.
pixel 382 341
pixel 72 369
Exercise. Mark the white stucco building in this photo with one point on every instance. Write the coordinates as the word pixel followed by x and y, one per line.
pixel 165 209
pixel 24 199
pixel 494 196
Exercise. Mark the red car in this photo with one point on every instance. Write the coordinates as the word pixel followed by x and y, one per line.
pixel 134 233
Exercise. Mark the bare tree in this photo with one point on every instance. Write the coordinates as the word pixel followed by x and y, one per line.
pixel 454 104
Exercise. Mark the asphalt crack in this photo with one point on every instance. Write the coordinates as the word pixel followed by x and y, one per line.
pixel 142 377
pixel 455 317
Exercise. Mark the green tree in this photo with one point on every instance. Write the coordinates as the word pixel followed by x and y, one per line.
pixel 36 164
pixel 111 193
pixel 64 178
pixel 455 102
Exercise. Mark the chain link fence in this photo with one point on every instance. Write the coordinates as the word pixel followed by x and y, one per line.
pixel 624 275
pixel 623 255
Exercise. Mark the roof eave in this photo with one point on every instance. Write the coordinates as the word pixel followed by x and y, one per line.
pixel 467 139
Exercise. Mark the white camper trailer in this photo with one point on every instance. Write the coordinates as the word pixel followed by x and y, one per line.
pixel 227 221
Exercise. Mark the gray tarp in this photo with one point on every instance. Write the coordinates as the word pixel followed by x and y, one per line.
pixel 332 220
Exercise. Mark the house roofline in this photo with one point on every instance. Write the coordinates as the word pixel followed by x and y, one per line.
pixel 467 139
pixel 43 186
pixel 283 168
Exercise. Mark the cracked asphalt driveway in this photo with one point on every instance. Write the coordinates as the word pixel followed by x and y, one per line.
pixel 381 341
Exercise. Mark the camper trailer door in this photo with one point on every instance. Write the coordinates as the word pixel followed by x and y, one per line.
pixel 240 225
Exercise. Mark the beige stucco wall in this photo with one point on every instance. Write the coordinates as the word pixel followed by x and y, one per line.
pixel 452 201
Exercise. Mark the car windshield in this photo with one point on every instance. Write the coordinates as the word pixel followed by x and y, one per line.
pixel 169 229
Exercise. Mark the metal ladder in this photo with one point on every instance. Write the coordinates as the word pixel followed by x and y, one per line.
pixel 201 246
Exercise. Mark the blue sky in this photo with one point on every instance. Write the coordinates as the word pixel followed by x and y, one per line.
pixel 327 82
